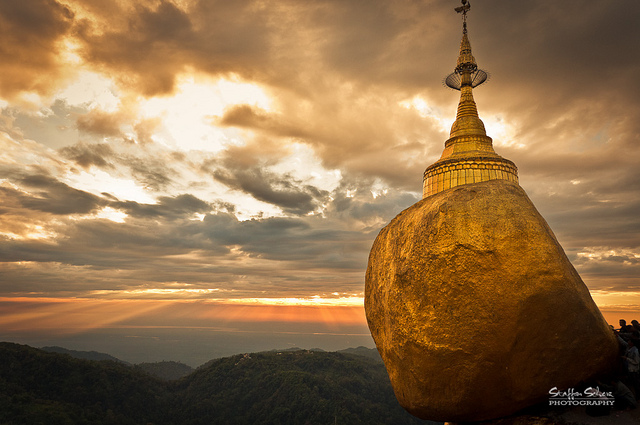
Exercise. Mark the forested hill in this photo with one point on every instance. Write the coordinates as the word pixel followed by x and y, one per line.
pixel 300 387
pixel 297 387
pixel 39 387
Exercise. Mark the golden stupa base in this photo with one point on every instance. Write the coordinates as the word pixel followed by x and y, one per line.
pixel 450 173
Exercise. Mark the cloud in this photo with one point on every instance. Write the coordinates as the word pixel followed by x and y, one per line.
pixel 334 129
pixel 218 252
pixel 150 171
pixel 282 191
pixel 52 196
pixel 214 36
pixel 113 125
pixel 354 202
pixel 100 123
pixel 132 48
pixel 181 206
pixel 87 155
pixel 246 116
pixel 249 169
pixel 183 241
pixel 260 41
pixel 30 37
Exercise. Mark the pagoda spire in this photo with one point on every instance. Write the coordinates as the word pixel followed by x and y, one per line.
pixel 468 155
pixel 465 77
pixel 467 119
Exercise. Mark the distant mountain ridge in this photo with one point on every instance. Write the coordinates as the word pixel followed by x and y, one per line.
pixel 181 368
pixel 87 355
pixel 371 353
pixel 172 370
pixel 296 387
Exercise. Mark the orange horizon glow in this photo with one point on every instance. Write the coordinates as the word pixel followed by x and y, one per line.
pixel 80 315
pixel 77 315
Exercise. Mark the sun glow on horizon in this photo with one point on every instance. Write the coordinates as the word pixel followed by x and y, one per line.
pixel 315 300
pixel 68 316
pixel 77 315
pixel 186 294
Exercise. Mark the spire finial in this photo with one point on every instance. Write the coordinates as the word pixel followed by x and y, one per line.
pixel 464 9
pixel 466 71
pixel 465 77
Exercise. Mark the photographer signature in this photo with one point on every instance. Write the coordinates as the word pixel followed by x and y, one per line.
pixel 572 394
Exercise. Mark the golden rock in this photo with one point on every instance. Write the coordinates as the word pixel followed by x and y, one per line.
pixel 475 308
pixel 473 304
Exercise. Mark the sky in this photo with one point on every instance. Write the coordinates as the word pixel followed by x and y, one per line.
pixel 186 179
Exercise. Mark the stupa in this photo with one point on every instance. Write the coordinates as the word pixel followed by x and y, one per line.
pixel 472 303
pixel 468 155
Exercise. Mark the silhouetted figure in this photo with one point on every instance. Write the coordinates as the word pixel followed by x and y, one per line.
pixel 632 357
pixel 624 328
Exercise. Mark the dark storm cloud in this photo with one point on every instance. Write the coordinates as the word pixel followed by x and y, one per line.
pixel 96 253
pixel 52 196
pixel 353 201
pixel 151 171
pixel 564 74
pixel 248 169
pixel 29 36
pixel 279 190
pixel 100 123
pixel 379 41
pixel 217 37
pixel 86 155
pixel 180 206
pixel 570 45
pixel 594 223
pixel 134 48
pixel 246 116
pixel 304 243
